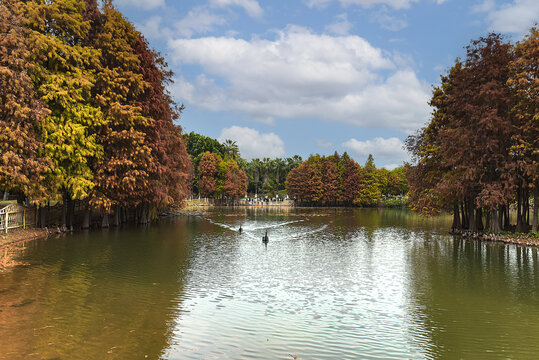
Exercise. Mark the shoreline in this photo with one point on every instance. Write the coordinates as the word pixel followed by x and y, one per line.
pixel 512 239
pixel 12 243
pixel 17 236
pixel 509 239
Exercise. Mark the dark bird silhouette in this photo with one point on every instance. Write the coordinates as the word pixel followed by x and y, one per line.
pixel 240 230
pixel 265 238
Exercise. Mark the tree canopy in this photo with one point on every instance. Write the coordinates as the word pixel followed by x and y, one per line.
pixel 479 152
pixel 85 115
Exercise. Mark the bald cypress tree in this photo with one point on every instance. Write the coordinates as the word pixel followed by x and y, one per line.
pixel 23 167
pixel 64 75
pixel 122 173
pixel 171 170
pixel 524 72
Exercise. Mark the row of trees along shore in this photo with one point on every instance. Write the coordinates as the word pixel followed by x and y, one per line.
pixel 479 155
pixel 84 114
pixel 220 171
pixel 339 181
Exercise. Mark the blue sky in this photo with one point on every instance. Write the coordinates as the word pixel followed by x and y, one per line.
pixel 314 76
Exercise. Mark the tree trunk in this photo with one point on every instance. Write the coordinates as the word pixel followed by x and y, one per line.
pixel 479 219
pixel 86 219
pixel 494 222
pixel 473 224
pixel 63 220
pixel 488 219
pixel 526 217
pixel 6 196
pixel 456 217
pixel 105 221
pixel 43 217
pixel 123 211
pixel 142 218
pixel 70 212
pixel 464 217
pixel 116 217
pixel 535 209
pixel 519 207
pixel 506 220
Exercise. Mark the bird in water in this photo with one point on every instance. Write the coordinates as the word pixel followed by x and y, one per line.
pixel 265 238
pixel 240 229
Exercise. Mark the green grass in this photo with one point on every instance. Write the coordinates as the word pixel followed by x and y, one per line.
pixel 394 203
pixel 531 234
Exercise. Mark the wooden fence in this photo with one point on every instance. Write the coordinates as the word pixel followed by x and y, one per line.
pixel 14 216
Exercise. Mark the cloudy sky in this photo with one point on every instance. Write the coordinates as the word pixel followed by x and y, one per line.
pixel 286 77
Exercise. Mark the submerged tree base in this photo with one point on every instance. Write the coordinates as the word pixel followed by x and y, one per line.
pixel 511 238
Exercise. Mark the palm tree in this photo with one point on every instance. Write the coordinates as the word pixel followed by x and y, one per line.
pixel 231 149
pixel 279 168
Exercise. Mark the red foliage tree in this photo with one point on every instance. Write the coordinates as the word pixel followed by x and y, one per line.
pixel 479 132
pixel 235 184
pixel 330 180
pixel 524 72
pixel 169 176
pixel 351 180
pixel 122 177
pixel 325 180
pixel 469 156
pixel 22 168
pixel 208 167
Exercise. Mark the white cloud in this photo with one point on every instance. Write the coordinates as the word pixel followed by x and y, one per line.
pixel 253 144
pixel 341 27
pixel 387 21
pixel 323 144
pixel 485 6
pixel 152 29
pixel 395 4
pixel 517 16
pixel 142 4
pixel 391 166
pixel 301 74
pixel 318 3
pixel 391 149
pixel 250 6
pixel 198 21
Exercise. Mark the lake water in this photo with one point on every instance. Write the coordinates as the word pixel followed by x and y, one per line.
pixel 330 284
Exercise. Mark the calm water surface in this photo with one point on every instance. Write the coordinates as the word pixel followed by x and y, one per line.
pixel 331 284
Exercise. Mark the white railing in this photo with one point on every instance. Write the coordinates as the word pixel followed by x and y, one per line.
pixel 12 216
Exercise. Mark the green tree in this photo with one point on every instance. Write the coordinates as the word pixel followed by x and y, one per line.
pixel 231 150
pixel 369 192
pixel 64 75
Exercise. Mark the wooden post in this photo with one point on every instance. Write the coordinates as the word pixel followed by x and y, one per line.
pixel 24 219
pixel 6 221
